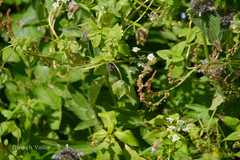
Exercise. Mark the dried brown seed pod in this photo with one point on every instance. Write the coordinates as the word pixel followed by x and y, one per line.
pixel 141 36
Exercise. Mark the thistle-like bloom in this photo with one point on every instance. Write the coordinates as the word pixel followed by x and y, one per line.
pixel 202 7
pixel 67 154
pixel 226 20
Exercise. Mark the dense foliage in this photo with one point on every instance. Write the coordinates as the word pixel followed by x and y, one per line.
pixel 119 79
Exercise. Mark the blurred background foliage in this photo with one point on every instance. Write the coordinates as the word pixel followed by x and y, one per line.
pixel 126 79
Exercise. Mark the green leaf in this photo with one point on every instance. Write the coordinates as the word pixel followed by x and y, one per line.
pixel 116 147
pixel 72 32
pixel 214 28
pixel 134 155
pixel 109 120
pixel 168 35
pixel 217 101
pixel 80 106
pixel 74 74
pixel 103 155
pixel 10 127
pixel 113 34
pixel 41 73
pixel 182 153
pixel 164 54
pixel 94 32
pixel 201 24
pixel 237 154
pixel 23 28
pixel 99 135
pixel 7 113
pixel 48 97
pixel 173 55
pixel 157 121
pixel 95 90
pixel 85 124
pixel 119 88
pixel 231 122
pixel 234 136
pixel 9 55
pixel 177 71
pixel 151 136
pixel 126 137
pixel 199 112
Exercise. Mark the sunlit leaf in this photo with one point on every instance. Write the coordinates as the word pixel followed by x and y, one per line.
pixel 109 120
pixel 126 137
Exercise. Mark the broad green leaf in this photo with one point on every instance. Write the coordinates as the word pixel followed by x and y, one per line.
pixel 103 155
pixel 217 101
pixel 104 145
pixel 126 137
pixel 95 90
pixel 168 35
pixel 74 74
pixel 177 71
pixel 201 24
pixel 164 54
pixel 179 48
pixel 151 136
pixel 231 121
pixel 116 147
pixel 48 97
pixel 174 54
pixel 157 121
pixel 134 155
pixel 72 32
pixel 108 19
pixel 41 73
pixel 119 88
pixel 123 48
pixel 15 91
pixel 85 124
pixel 9 55
pixel 192 34
pixel 199 112
pixel 10 127
pixel 182 153
pixel 214 28
pixel 80 106
pixel 109 120
pixel 234 136
pixel 99 135
pixel 113 34
pixel 22 27
pixel 237 154
pixel 7 113
pixel 94 32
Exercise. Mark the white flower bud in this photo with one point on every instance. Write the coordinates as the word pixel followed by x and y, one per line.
pixel 136 49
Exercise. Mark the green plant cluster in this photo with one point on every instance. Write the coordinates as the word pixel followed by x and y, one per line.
pixel 119 79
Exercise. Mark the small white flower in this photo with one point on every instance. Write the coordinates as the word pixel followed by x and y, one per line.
pixel 169 119
pixel 140 65
pixel 153 149
pixel 153 16
pixel 171 128
pixel 155 146
pixel 55 5
pixel 151 57
pixel 136 49
pixel 180 123
pixel 175 138
pixel 183 15
pixel 186 129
